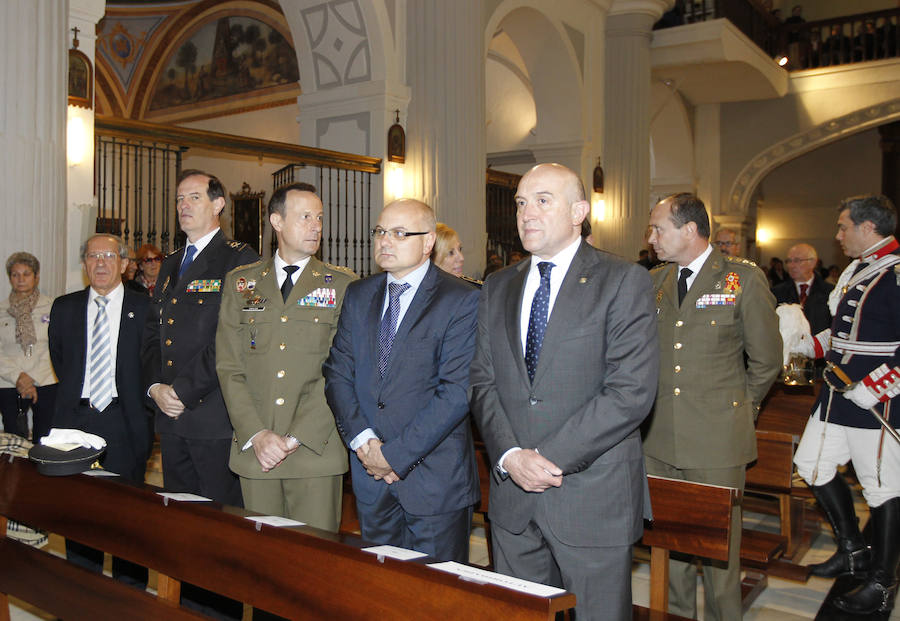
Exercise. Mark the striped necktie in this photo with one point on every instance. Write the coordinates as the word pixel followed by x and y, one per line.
pixel 388 328
pixel 101 358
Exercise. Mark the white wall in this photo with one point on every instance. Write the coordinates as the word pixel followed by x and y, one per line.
pixel 807 190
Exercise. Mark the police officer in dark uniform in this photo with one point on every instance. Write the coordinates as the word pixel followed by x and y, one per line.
pixel 863 343
pixel 179 357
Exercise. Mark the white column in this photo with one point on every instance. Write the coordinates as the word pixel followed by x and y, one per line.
pixel 81 206
pixel 445 143
pixel 626 144
pixel 33 66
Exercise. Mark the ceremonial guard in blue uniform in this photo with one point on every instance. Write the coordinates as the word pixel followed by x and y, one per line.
pixel 863 344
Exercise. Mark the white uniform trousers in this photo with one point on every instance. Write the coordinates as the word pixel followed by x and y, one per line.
pixel 841 444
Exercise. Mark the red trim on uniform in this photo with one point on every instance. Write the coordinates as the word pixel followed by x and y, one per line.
pixel 887 249
pixel 883 382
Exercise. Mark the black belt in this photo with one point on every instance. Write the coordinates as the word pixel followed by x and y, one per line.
pixel 86 403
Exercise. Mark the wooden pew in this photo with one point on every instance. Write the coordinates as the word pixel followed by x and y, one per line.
pixel 691 518
pixel 298 573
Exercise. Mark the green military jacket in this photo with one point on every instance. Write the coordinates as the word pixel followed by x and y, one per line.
pixel 269 356
pixel 708 398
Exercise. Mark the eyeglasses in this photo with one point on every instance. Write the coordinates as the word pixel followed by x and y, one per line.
pixel 725 243
pixel 109 255
pixel 789 261
pixel 397 234
pixel 151 259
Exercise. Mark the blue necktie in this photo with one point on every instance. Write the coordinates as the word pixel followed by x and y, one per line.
pixel 388 327
pixel 189 253
pixel 537 322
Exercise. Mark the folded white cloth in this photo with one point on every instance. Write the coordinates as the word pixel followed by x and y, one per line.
pixel 795 331
pixel 61 437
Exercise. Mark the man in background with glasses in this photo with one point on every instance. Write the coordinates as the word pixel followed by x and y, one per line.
pixel 396 380
pixel 726 242
pixel 805 287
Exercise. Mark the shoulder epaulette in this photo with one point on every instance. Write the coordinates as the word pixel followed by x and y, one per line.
pixel 248 266
pixel 340 268
pixel 236 245
pixel 474 281
pixel 741 260
pixel 176 251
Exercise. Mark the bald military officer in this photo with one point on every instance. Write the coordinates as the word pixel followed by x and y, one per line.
pixel 275 328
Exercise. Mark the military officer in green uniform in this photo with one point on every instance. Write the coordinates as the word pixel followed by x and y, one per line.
pixel 275 329
pixel 712 312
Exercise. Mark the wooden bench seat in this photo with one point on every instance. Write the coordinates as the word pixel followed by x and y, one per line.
pixel 307 573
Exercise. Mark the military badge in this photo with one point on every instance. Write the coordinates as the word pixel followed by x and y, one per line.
pixel 323 297
pixel 251 285
pixel 716 299
pixel 732 282
pixel 240 284
pixel 328 277
pixel 45 318
pixel 212 285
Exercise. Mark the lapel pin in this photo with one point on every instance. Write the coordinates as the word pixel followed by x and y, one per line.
pixel 582 280
pixel 131 315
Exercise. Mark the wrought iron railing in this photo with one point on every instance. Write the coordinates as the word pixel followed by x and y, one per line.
pixel 500 204
pixel 137 163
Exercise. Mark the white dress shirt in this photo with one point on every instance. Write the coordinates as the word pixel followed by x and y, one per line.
pixel 114 319
pixel 413 279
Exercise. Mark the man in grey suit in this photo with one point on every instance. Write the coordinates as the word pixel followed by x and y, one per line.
pixel 565 370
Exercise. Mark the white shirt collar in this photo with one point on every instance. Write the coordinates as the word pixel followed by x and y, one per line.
pixel 414 278
pixel 114 296
pixel 203 242
pixel 697 263
pixel 561 260
pixel 280 264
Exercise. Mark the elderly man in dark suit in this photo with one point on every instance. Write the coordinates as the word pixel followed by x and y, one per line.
pixel 179 357
pixel 806 287
pixel 95 344
pixel 396 380
pixel 564 373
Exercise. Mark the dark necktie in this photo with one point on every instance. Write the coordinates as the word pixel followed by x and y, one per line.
pixel 288 283
pixel 682 283
pixel 537 321
pixel 189 253
pixel 388 327
pixel 803 293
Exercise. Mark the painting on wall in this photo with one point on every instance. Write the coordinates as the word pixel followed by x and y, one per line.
pixel 224 58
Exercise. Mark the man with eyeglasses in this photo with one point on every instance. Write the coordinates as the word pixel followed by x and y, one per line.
pixel 805 287
pixel 95 345
pixel 396 380
pixel 726 242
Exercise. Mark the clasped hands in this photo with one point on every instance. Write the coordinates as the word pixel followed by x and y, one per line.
pixel 25 387
pixel 532 471
pixel 373 460
pixel 167 400
pixel 271 449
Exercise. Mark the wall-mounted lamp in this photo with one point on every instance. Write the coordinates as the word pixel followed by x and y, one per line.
pixel 763 237
pixel 598 206
pixel 782 60
pixel 396 142
pixel 78 138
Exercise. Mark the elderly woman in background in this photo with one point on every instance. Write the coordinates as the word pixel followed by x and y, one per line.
pixel 26 375
pixel 149 260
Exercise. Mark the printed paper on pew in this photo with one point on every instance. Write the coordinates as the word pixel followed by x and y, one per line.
pixel 489 577
pixel 401 554
pixel 97 472
pixel 275 520
pixel 184 497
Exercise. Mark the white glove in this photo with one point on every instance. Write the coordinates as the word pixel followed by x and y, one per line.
pixel 804 346
pixel 861 396
pixel 62 437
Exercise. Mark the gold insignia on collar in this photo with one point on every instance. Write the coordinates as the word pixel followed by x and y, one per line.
pixel 265 272
pixel 315 274
pixel 659 294
pixel 165 284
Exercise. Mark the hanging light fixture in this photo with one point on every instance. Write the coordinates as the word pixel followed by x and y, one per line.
pixel 598 206
pixel 396 142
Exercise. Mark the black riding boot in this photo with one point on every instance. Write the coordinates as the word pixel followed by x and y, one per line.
pixel 877 593
pixel 852 556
